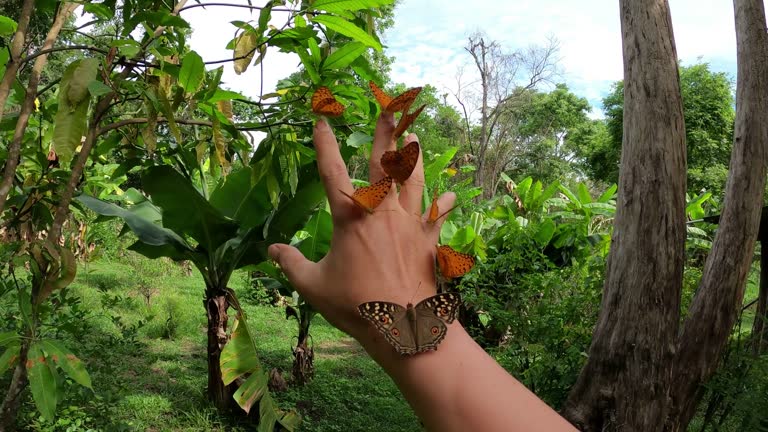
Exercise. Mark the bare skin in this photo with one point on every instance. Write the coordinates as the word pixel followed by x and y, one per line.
pixel 390 256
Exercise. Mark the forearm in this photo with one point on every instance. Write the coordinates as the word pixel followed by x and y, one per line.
pixel 459 387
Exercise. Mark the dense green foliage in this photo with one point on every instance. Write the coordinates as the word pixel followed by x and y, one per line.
pixel 708 109
pixel 117 340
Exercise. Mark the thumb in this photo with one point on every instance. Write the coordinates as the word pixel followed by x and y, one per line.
pixel 300 271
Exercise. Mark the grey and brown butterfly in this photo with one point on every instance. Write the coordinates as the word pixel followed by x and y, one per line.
pixel 413 329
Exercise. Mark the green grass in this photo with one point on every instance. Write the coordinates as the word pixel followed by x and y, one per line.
pixel 149 373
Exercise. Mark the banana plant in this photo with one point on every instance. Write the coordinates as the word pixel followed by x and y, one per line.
pixel 229 230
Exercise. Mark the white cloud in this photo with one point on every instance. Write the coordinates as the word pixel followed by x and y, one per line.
pixel 428 37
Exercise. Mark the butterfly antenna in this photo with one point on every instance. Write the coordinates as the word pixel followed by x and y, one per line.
pixel 414 294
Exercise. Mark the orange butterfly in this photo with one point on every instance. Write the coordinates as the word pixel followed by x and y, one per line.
pixel 324 103
pixel 405 121
pixel 399 164
pixel 369 197
pixel 452 263
pixel 400 103
pixel 434 212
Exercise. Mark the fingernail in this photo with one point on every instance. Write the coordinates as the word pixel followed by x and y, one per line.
pixel 411 137
pixel 322 125
pixel 274 252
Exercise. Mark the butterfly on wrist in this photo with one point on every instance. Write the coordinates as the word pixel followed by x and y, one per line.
pixel 413 329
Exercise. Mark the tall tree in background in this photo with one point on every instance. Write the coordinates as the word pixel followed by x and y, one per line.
pixel 708 113
pixel 645 373
pixel 504 78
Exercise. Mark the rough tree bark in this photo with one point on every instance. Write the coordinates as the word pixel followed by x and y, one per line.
pixel 721 291
pixel 216 306
pixel 17 45
pixel 625 382
pixel 760 325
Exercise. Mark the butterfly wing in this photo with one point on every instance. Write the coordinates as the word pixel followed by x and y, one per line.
pixel 432 315
pixel 452 263
pixel 382 98
pixel 369 197
pixel 399 164
pixel 406 120
pixel 433 210
pixel 391 321
pixel 403 101
pixel 324 103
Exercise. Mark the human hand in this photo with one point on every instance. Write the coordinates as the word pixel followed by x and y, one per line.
pixel 388 255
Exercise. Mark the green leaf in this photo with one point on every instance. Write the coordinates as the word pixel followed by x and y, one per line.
pixel 100 10
pixel 185 211
pixel 251 390
pixel 344 56
pixel 347 29
pixel 42 383
pixel 320 229
pixel 6 338
pixel 583 193
pixel 341 6
pixel 75 81
pixel 97 88
pixel 7 26
pixel 67 361
pixel 236 198
pixel 192 72
pixel 267 414
pixel 309 65
pixel 522 188
pixel 544 232
pixel 147 232
pixel 290 421
pixel 9 357
pixel 608 194
pixel 357 139
pixel 433 169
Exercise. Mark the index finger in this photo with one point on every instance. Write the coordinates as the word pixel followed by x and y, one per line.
pixel 333 171
pixel 382 141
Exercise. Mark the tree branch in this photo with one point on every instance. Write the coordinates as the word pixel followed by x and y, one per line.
pixel 64 48
pixel 14 149
pixel 715 306
pixel 142 120
pixel 17 45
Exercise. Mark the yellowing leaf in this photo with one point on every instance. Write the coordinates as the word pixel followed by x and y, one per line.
pixel 225 107
pixel 221 145
pixel 245 47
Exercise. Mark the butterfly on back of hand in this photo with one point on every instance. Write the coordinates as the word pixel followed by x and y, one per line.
pixel 434 212
pixel 399 164
pixel 452 263
pixel 413 329
pixel 369 197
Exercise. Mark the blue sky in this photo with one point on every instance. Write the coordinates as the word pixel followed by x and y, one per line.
pixel 429 35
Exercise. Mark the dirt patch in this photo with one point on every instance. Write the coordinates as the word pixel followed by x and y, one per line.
pixel 329 350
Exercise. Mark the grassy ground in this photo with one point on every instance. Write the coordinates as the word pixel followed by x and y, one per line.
pixel 149 372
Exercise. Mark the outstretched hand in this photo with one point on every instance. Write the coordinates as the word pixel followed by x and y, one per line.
pixel 388 255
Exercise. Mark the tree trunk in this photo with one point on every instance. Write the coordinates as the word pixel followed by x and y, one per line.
pixel 717 301
pixel 17 45
pixel 10 408
pixel 14 149
pixel 625 382
pixel 759 327
pixel 221 395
